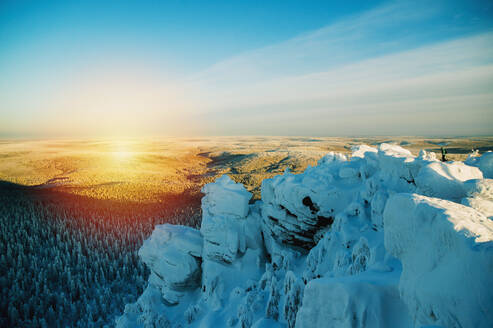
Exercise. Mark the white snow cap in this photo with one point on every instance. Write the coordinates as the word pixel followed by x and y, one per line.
pixel 225 197
pixel 361 150
pixel 446 250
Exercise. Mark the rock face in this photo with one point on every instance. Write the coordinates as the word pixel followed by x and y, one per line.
pixel 224 224
pixel 446 250
pixel 173 254
pixel 356 242
pixel 297 207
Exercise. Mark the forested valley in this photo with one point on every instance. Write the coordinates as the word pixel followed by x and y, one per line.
pixel 71 261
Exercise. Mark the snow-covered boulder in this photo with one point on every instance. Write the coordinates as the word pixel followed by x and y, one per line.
pixel 396 167
pixel 483 162
pixel 446 250
pixel 480 196
pixel 361 150
pixel 173 254
pixel 224 220
pixel 297 207
pixel 446 180
pixel 427 156
pixel 364 301
pixel 486 164
pixel 225 198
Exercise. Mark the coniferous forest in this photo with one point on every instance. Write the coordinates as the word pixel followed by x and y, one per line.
pixel 71 261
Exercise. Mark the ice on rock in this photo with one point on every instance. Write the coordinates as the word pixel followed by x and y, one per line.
pixel 225 226
pixel 446 250
pixel 173 255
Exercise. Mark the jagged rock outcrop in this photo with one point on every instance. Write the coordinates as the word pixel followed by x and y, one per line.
pixel 348 243
pixel 174 255
pixel 226 229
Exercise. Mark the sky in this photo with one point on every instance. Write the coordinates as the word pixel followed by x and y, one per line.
pixel 295 68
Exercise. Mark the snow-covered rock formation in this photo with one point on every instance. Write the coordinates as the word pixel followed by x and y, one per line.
pixel 173 253
pixel 383 239
pixel 447 259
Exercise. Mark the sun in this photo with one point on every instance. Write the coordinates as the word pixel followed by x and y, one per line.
pixel 122 151
pixel 123 154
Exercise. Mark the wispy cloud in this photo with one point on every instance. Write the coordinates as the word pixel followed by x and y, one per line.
pixel 379 31
pixel 325 81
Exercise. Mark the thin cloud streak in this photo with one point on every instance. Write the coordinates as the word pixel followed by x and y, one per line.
pixel 244 89
pixel 366 35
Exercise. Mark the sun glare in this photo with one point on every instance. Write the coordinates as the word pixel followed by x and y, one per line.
pixel 122 151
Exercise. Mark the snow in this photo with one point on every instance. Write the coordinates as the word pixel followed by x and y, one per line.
pixel 486 165
pixel 225 197
pixel 172 253
pixel 379 239
pixel 484 162
pixel 446 250
pixel 367 300
pixel 446 180
pixel 225 228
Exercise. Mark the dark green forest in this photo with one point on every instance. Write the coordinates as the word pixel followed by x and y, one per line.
pixel 71 261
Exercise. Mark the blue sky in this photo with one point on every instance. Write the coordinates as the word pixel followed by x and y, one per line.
pixel 125 68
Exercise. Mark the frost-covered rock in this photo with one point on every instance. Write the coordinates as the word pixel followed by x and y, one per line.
pixel 173 254
pixel 446 180
pixel 446 250
pixel 297 207
pixel 361 150
pixel 293 289
pixel 480 196
pixel 224 223
pixel 348 243
pixel 356 301
pixel 485 164
pixel 225 197
pixel 427 156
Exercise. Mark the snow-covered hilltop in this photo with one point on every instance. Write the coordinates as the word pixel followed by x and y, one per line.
pixel 384 239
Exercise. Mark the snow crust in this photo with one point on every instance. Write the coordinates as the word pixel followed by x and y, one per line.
pixel 446 250
pixel 380 239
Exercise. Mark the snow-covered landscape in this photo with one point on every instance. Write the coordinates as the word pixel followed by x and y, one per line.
pixel 246 164
pixel 377 239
